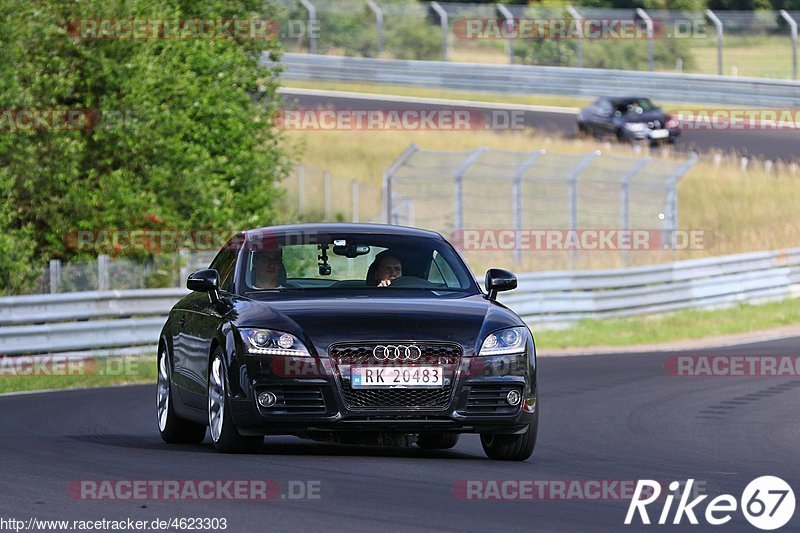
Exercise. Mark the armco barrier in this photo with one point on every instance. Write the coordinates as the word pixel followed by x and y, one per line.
pixel 527 79
pixel 132 320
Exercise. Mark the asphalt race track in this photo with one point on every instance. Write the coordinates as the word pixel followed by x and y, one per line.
pixel 604 417
pixel 771 144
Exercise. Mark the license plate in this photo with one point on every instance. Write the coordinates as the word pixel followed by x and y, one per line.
pixel 659 134
pixel 363 377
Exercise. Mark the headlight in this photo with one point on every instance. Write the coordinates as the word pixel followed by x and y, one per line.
pixel 507 341
pixel 635 126
pixel 673 123
pixel 270 342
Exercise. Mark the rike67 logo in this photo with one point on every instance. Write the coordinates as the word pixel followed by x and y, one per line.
pixel 767 503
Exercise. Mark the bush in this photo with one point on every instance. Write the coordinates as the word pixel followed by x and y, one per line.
pixel 195 149
pixel 413 39
pixel 618 54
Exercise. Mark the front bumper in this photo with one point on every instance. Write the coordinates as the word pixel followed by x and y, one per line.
pixel 653 134
pixel 313 399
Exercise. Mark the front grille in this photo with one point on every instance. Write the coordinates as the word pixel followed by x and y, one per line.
pixel 490 400
pixel 444 354
pixel 397 397
pixel 361 354
pixel 299 399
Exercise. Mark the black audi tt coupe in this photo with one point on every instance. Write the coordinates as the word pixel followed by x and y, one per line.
pixel 353 333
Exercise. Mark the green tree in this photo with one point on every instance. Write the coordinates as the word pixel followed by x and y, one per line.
pixel 185 138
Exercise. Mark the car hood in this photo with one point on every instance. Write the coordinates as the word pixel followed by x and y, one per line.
pixel 655 114
pixel 324 321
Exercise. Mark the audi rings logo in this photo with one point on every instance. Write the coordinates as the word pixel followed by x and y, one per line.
pixel 399 352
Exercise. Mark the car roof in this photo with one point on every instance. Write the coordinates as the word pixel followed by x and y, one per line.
pixel 620 99
pixel 339 227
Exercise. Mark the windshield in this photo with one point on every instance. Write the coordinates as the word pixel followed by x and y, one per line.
pixel 352 261
pixel 635 106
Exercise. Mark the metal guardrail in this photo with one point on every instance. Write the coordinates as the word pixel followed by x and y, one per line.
pixel 63 323
pixel 567 296
pixel 524 79
pixel 85 321
pixel 16 310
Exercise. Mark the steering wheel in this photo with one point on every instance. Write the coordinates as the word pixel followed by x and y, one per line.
pixel 412 282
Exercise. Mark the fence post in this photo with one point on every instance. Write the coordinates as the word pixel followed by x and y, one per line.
pixel 793 27
pixel 183 273
pixel 625 200
pixel 718 25
pixel 577 16
pixel 55 275
pixel 103 278
pixel 354 189
pixel 312 23
pixel 326 185
pixel 572 181
pixel 387 193
pixel 443 21
pixel 649 24
pixel 378 22
pixel 301 188
pixel 516 198
pixel 458 176
pixel 388 175
pixel 509 27
pixel 670 226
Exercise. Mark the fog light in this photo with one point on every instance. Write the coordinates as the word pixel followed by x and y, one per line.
pixel 267 399
pixel 513 398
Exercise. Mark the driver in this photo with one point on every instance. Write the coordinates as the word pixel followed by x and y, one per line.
pixel 267 266
pixel 388 269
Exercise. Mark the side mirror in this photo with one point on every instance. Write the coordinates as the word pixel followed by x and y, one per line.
pixel 204 281
pixel 498 280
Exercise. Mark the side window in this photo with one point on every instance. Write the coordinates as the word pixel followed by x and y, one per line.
pixel 225 264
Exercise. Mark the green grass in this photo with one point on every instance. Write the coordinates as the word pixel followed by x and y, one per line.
pixel 678 326
pixel 16 376
pixel 753 56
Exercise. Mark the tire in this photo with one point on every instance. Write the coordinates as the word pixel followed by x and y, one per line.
pixel 511 447
pixel 437 441
pixel 172 428
pixel 223 431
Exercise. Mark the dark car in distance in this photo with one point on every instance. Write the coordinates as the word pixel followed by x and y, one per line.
pixel 628 119
pixel 353 333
